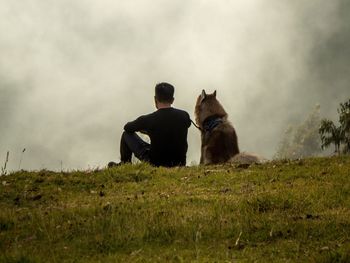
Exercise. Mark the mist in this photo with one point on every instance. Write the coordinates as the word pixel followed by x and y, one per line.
pixel 72 73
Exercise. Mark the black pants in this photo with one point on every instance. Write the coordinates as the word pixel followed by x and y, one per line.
pixel 130 144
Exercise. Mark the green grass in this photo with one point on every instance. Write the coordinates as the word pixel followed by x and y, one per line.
pixel 285 211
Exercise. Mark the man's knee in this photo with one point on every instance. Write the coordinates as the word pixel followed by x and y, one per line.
pixel 136 145
pixel 126 136
pixel 132 140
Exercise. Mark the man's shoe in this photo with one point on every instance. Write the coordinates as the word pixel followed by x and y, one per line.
pixel 113 164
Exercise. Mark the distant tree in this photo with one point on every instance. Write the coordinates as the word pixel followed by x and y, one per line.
pixel 331 134
pixel 285 148
pixel 301 140
pixel 337 135
pixel 344 119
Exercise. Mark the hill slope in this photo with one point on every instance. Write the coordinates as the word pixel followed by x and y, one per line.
pixel 281 211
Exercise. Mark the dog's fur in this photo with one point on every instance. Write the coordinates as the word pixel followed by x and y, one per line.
pixel 220 144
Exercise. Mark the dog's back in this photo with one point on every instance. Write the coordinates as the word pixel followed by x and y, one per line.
pixel 220 145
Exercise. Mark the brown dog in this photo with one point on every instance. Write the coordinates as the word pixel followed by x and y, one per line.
pixel 219 138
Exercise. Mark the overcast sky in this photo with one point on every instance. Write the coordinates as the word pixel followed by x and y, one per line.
pixel 73 72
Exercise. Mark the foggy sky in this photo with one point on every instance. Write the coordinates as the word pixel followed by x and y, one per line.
pixel 72 73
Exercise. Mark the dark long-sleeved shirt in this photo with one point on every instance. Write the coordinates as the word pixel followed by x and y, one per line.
pixel 167 129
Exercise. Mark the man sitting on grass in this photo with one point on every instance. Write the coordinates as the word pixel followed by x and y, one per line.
pixel 167 128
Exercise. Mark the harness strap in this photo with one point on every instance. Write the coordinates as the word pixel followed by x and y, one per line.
pixel 195 125
pixel 211 122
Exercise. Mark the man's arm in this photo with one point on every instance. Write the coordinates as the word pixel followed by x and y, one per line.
pixel 138 125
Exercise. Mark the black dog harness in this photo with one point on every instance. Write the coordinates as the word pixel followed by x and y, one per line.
pixel 211 122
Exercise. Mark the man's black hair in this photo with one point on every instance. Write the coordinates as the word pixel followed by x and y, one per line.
pixel 164 92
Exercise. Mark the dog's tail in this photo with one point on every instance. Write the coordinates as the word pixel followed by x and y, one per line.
pixel 247 158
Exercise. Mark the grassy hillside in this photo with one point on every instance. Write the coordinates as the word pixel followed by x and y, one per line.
pixel 295 211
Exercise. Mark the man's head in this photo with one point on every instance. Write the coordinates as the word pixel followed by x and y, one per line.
pixel 164 95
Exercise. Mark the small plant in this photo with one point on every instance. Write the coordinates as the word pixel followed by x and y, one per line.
pixel 20 160
pixel 4 168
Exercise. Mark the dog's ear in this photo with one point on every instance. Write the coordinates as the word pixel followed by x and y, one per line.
pixel 214 94
pixel 203 95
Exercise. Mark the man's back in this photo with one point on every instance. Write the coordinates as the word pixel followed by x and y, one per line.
pixel 167 129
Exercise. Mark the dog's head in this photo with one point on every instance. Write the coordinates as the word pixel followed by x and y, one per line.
pixel 207 105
